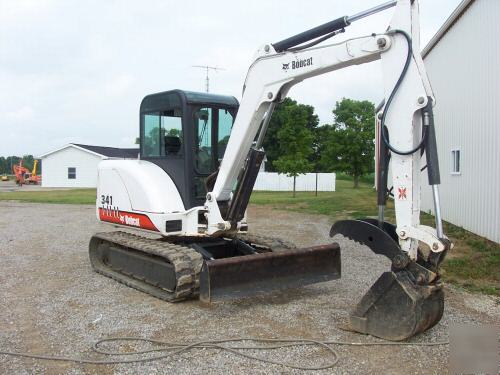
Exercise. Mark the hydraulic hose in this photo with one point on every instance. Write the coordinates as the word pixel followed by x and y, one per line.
pixel 222 344
pixel 391 97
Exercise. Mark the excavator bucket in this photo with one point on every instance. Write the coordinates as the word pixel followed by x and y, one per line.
pixel 396 308
pixel 254 274
pixel 405 301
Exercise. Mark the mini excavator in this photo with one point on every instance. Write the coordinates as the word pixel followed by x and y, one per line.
pixel 199 158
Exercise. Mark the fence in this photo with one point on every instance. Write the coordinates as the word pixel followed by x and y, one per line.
pixel 270 181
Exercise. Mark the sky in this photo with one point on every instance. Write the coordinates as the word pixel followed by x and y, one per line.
pixel 76 71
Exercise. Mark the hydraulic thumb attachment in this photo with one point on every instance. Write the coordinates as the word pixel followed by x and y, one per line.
pixel 404 301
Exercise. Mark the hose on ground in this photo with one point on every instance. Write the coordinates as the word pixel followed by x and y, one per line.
pixel 176 348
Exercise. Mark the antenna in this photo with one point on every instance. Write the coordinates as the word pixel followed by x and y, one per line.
pixel 207 68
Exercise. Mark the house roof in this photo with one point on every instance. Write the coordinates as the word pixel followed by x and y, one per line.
pixel 107 152
pixel 111 152
pixel 457 13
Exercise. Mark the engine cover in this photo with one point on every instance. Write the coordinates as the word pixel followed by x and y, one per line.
pixel 139 194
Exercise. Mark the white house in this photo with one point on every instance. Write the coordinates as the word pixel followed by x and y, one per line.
pixel 463 64
pixel 75 165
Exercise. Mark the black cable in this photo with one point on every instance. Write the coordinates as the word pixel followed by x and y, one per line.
pixel 314 42
pixel 391 97
pixel 176 348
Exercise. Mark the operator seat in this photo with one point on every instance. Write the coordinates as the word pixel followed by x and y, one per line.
pixel 172 145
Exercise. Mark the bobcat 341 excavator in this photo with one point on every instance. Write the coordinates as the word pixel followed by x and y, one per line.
pixel 199 158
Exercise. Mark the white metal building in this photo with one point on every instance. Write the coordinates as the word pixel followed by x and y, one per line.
pixel 463 64
pixel 75 165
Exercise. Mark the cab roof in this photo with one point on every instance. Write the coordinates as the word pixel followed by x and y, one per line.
pixel 175 98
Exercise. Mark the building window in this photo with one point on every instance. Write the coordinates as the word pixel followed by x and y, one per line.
pixel 71 173
pixel 455 157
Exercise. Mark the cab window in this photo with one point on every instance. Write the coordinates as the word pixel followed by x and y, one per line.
pixel 225 126
pixel 212 130
pixel 203 159
pixel 162 133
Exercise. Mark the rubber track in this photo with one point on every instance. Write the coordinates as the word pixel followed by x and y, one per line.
pixel 186 261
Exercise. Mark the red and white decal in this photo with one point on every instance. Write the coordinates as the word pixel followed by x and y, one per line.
pixel 402 193
pixel 127 218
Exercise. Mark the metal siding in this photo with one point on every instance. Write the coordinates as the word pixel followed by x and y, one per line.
pixel 55 168
pixel 464 70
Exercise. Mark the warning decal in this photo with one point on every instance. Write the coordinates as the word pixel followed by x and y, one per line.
pixel 402 193
pixel 127 218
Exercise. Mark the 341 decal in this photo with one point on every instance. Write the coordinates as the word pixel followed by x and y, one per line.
pixel 107 199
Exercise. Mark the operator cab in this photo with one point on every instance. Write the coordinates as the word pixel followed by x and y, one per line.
pixel 186 133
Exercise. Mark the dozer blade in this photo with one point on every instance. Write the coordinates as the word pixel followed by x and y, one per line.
pixel 255 274
pixel 405 301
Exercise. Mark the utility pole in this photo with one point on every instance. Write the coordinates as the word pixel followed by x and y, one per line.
pixel 207 79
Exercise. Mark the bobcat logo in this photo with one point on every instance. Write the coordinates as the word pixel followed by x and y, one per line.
pixel 298 64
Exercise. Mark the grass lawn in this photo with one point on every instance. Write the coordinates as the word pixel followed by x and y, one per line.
pixel 73 196
pixel 474 262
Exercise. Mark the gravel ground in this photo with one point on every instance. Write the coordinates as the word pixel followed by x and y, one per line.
pixel 52 302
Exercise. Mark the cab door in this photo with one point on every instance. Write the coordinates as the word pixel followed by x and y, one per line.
pixel 212 128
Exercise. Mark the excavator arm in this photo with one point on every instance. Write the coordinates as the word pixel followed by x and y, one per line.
pixel 279 66
pixel 409 298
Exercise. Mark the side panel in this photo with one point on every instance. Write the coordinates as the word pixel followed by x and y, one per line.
pixel 467 117
pixel 139 194
pixel 113 203
pixel 138 185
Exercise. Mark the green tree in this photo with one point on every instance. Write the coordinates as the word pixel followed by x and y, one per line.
pixel 348 145
pixel 271 140
pixel 295 141
pixel 3 165
pixel 11 160
pixel 6 163
pixel 28 161
pixel 320 134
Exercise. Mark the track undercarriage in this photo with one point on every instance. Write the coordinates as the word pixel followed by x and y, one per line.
pixel 179 268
